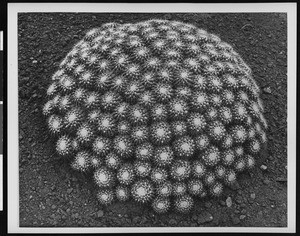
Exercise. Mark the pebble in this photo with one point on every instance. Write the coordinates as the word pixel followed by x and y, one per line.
pixel 239 200
pixel 136 220
pixel 236 220
pixel 205 217
pixel 263 167
pixel 229 202
pixel 173 222
pixel 185 223
pixel 252 195
pixel 69 190
pixel 281 180
pixel 266 181
pixel 100 213
pixel 208 204
pixel 222 203
pixel 53 207
pixel 235 186
pixel 194 217
pixel 242 217
pixel 34 61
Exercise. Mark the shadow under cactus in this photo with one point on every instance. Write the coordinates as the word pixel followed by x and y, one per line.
pixel 52 194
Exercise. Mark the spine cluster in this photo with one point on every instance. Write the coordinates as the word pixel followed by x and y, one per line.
pixel 160 111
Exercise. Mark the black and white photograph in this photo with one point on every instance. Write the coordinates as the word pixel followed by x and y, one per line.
pixel 165 119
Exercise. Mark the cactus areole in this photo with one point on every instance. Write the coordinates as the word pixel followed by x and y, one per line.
pixel 160 112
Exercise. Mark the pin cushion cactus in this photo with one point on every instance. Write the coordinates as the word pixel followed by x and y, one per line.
pixel 160 112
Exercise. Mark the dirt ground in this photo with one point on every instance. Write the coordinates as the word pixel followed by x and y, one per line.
pixel 52 194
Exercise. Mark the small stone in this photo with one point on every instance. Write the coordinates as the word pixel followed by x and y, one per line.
pixel 68 210
pixel 229 202
pixel 69 190
pixel 240 192
pixel 194 217
pixel 204 217
pixel 239 200
pixel 53 207
pixel 252 195
pixel 242 217
pixel 100 213
pixel 76 215
pixel 263 167
pixel 172 222
pixel 222 203
pixel 34 61
pixel 281 179
pixel 136 220
pixel 235 186
pixel 168 16
pixel 208 204
pixel 266 181
pixel 236 220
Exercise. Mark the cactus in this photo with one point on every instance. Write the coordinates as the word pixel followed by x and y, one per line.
pixel 161 112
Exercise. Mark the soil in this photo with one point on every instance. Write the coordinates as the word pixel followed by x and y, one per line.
pixel 52 194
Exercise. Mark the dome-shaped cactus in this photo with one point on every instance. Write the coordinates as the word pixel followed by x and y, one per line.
pixel 161 111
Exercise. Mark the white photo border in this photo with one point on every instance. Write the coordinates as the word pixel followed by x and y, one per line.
pixel 12 105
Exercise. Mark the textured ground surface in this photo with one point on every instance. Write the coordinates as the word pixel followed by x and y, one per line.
pixel 52 194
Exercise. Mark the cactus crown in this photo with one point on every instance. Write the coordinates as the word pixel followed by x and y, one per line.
pixel 161 95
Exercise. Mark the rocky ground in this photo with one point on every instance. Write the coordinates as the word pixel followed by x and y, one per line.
pixel 52 194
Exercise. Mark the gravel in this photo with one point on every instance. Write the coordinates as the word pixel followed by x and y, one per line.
pixel 48 181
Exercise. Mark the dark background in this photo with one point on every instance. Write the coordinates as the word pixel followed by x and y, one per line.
pixel 1 75
pixel 1 129
pixel 52 194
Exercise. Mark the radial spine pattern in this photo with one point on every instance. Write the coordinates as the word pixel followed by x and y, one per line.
pixel 158 110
